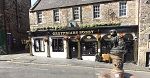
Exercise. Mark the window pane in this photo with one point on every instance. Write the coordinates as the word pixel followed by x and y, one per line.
pixel 39 45
pixel 76 13
pixel 36 45
pixel 56 15
pixel 89 48
pixel 57 45
pixel 96 11
pixel 39 20
pixel 42 45
pixel 39 16
pixel 122 8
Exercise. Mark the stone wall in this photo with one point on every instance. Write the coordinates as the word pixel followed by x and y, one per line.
pixel 144 31
pixel 1 6
pixel 87 15
pixel 23 16
pixel 17 21
pixel 1 11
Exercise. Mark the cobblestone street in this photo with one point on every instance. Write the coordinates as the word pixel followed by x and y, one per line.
pixel 25 66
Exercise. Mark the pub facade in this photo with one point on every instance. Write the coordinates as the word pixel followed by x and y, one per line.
pixel 81 30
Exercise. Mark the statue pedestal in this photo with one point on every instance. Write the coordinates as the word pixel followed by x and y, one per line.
pixel 117 61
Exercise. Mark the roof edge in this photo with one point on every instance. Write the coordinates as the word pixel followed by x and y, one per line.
pixel 32 10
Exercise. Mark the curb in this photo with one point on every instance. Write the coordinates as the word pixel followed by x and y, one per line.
pixel 5 60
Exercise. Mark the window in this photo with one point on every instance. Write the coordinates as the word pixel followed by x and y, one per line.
pixel 122 8
pixel 57 45
pixel 39 45
pixel 56 15
pixel 96 11
pixel 89 48
pixel 39 16
pixel 76 13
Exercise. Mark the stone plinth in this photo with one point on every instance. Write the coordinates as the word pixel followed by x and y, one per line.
pixel 117 56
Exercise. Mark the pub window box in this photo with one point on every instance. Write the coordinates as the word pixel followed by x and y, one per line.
pixel 57 45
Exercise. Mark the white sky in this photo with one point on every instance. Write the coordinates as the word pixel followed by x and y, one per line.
pixel 33 1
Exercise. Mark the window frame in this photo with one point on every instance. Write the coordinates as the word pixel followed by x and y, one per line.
pixel 39 16
pixel 39 43
pixel 96 11
pixel 88 48
pixel 56 15
pixel 76 12
pixel 56 45
pixel 122 8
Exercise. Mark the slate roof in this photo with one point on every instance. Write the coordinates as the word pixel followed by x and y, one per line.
pixel 49 4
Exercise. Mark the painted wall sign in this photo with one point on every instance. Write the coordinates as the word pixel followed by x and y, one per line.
pixel 73 32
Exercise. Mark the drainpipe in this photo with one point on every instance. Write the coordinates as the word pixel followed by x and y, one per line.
pixel 138 40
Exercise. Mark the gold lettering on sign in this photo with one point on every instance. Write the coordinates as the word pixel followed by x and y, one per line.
pixel 73 32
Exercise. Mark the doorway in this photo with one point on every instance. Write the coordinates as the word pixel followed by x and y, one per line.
pixel 73 49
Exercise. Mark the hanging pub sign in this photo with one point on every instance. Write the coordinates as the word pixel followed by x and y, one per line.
pixel 73 32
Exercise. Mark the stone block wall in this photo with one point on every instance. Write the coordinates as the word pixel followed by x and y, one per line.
pixel 1 6
pixel 87 15
pixel 144 31
pixel 17 21
pixel 1 11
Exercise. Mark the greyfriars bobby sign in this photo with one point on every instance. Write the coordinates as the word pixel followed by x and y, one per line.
pixel 73 24
pixel 73 32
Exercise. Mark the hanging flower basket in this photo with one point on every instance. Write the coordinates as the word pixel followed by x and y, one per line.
pixel 66 37
pixel 121 35
pixel 77 37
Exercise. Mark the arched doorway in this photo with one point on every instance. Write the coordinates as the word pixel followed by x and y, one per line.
pixel 105 44
pixel 129 45
pixel 105 48
pixel 89 45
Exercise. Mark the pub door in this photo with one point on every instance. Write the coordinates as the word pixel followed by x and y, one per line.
pixel 73 49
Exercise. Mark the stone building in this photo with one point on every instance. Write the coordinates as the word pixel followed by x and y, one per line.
pixel 2 28
pixel 15 24
pixel 80 28
pixel 144 33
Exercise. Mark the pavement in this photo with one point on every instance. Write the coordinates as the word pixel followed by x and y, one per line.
pixel 25 58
